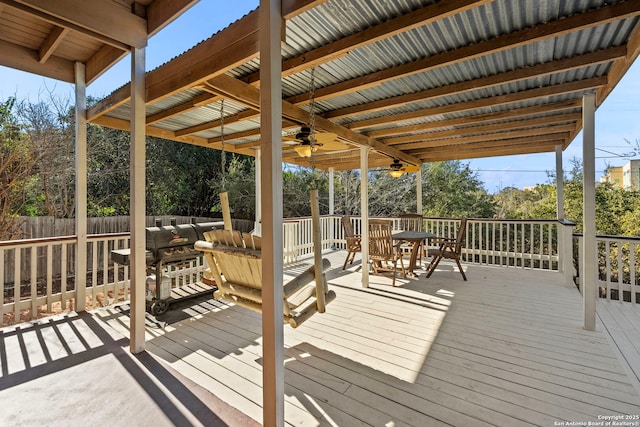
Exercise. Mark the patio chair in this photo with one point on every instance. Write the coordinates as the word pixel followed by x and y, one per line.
pixel 383 253
pixel 353 241
pixel 411 222
pixel 447 248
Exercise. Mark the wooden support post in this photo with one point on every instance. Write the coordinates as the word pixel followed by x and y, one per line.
pixel 81 188
pixel 419 191
pixel 565 240
pixel 559 184
pixel 226 212
pixel 257 227
pixel 331 192
pixel 317 251
pixel 138 204
pixel 364 213
pixel 590 254
pixel 271 175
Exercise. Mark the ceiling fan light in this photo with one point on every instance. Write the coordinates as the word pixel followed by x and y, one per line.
pixel 395 173
pixel 303 150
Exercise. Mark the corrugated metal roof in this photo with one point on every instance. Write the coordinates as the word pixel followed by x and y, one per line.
pixel 479 30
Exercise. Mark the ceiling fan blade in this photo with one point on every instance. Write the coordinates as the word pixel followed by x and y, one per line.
pixel 322 137
pixel 333 145
pixel 411 168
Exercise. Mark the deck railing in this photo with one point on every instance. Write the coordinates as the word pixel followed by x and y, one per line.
pixel 44 269
pixel 38 276
pixel 618 266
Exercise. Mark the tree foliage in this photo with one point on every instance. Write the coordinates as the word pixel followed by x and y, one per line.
pixel 452 189
pixel 16 163
pixel 37 168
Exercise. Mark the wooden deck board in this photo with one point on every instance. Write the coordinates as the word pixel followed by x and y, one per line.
pixel 621 323
pixel 496 350
pixel 506 348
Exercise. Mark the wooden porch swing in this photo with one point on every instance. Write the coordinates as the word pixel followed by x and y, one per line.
pixel 235 260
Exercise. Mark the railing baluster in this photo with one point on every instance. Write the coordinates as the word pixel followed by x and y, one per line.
pixel 620 277
pixel 34 281
pixel 607 251
pixel 94 274
pixel 2 264
pixel 63 275
pixel 104 243
pixel 49 277
pixel 17 278
pixel 632 271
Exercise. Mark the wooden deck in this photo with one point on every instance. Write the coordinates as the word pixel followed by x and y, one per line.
pixel 506 348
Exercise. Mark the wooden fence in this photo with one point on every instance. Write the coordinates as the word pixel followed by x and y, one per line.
pixel 46 226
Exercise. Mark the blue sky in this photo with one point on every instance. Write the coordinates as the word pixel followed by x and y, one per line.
pixel 617 119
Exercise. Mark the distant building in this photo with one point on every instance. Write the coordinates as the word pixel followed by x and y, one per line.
pixel 631 175
pixel 614 176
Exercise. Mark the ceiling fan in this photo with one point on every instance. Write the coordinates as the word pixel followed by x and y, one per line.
pixel 396 169
pixel 306 142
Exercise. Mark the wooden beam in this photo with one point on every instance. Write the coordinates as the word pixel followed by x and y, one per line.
pixel 621 66
pixel 233 46
pixel 492 152
pixel 293 8
pixel 490 143
pixel 161 13
pixel 286 124
pixel 492 46
pixel 196 102
pixel 103 20
pixel 404 23
pixel 52 41
pixel 494 129
pixel 542 92
pixel 122 124
pixel 500 79
pixel 24 59
pixel 102 60
pixel 250 95
pixel 418 148
pixel 242 115
pixel 478 118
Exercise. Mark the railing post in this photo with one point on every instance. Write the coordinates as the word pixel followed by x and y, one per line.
pixel 565 249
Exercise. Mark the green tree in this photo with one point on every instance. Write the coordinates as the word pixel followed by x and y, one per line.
pixel 452 189
pixel 16 163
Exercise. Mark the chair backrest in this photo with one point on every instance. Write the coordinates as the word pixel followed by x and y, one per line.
pixel 380 240
pixel 411 222
pixel 460 235
pixel 347 226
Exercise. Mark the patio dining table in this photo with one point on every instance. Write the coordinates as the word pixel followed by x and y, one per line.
pixel 417 238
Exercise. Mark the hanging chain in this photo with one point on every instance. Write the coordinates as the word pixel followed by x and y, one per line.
pixel 223 155
pixel 312 116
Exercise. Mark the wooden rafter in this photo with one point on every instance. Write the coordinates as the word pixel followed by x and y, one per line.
pixel 542 92
pixel 102 20
pixel 537 146
pixel 235 45
pixel 512 40
pixel 459 145
pixel 526 73
pixel 250 96
pixel 196 102
pixel 401 24
pixel 416 148
pixel 511 114
pixel 162 12
pixel 52 41
pixel 495 128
